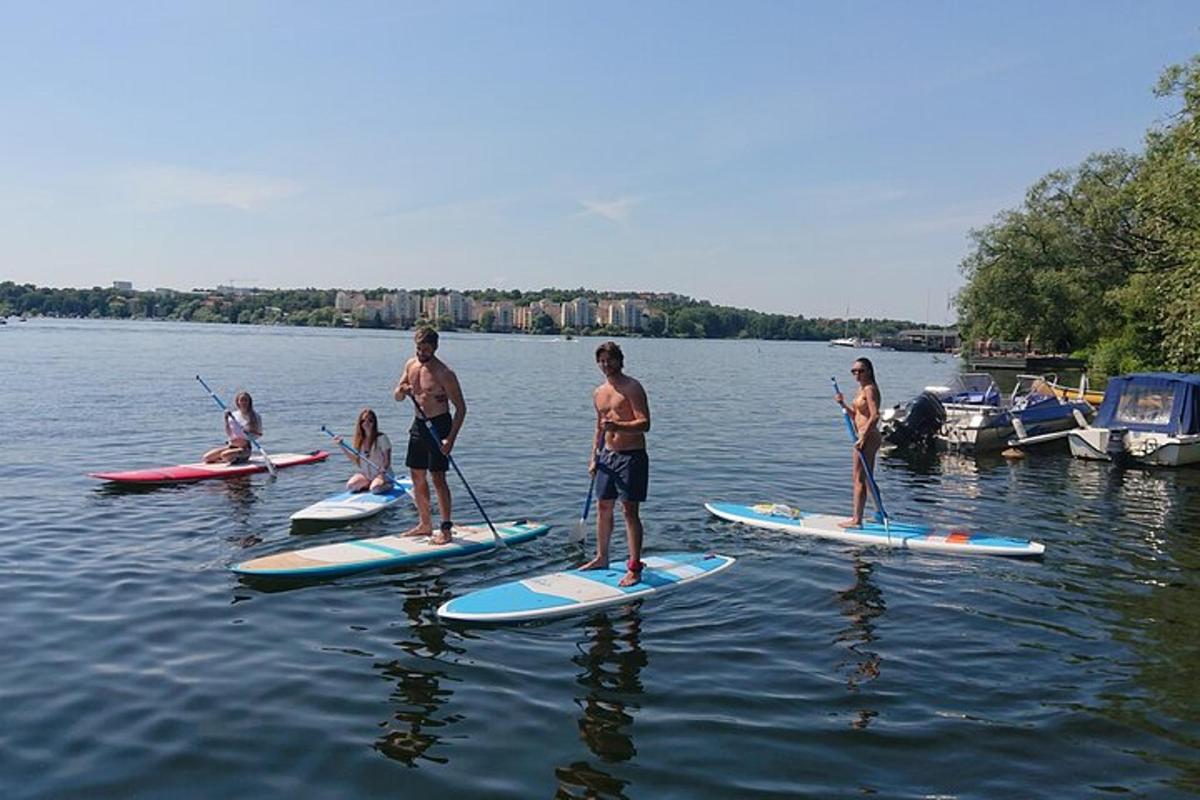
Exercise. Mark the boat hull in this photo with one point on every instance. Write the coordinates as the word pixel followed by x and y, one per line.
pixel 982 429
pixel 1156 450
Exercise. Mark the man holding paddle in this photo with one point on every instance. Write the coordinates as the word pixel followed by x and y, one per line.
pixel 621 468
pixel 433 387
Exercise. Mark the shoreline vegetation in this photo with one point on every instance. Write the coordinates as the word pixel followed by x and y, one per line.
pixel 1102 260
pixel 585 312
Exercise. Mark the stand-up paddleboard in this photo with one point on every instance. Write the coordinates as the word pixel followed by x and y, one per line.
pixel 200 472
pixel 953 541
pixel 329 560
pixel 347 506
pixel 573 591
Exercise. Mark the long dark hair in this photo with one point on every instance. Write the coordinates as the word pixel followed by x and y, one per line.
pixel 869 367
pixel 360 436
pixel 253 420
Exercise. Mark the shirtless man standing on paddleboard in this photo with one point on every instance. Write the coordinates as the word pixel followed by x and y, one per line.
pixel 621 469
pixel 433 386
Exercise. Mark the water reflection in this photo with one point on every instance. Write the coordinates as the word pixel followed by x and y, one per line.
pixel 1155 607
pixel 415 728
pixel 240 493
pixel 861 604
pixel 611 658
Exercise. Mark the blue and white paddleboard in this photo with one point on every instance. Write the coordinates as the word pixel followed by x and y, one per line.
pixel 346 506
pixel 346 558
pixel 953 540
pixel 573 591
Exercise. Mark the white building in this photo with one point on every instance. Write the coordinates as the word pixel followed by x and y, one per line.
pixel 583 312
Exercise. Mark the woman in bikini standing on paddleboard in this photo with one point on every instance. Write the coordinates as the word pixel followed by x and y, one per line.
pixel 864 413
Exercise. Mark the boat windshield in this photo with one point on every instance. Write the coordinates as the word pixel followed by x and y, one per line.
pixel 974 388
pixel 1031 390
pixel 1145 405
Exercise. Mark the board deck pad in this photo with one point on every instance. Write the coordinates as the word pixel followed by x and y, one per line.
pixel 184 473
pixel 346 558
pixel 952 540
pixel 572 591
pixel 346 506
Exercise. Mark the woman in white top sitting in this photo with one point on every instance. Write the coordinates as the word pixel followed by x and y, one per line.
pixel 242 420
pixel 376 449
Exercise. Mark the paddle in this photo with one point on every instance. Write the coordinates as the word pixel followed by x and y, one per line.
pixel 352 450
pixel 580 532
pixel 881 511
pixel 437 443
pixel 251 439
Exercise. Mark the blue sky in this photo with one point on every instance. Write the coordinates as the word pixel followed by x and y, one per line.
pixel 791 157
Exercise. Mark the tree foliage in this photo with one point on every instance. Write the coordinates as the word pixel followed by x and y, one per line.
pixel 1102 259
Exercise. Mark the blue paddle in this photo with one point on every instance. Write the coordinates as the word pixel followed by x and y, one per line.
pixel 881 511
pixel 221 405
pixel 581 526
pixel 437 443
pixel 354 451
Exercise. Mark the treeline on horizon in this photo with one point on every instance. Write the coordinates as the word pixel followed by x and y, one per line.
pixel 1102 260
pixel 681 316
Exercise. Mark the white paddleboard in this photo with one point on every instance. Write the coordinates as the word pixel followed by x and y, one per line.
pixel 573 591
pixel 346 506
pixel 329 560
pixel 953 540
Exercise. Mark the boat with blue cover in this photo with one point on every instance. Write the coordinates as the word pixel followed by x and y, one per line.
pixel 1145 418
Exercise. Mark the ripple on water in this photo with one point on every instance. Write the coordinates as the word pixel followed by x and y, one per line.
pixel 139 666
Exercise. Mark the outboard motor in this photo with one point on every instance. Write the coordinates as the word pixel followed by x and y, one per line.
pixel 914 424
pixel 1116 447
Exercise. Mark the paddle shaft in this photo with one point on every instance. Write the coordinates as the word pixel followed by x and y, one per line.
pixel 587 503
pixel 437 443
pixel 221 405
pixel 352 450
pixel 862 459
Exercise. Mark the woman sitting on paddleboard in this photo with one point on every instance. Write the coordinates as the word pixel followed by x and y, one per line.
pixel 864 413
pixel 242 420
pixel 376 447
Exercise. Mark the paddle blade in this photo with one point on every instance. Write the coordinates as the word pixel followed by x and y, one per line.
pixel 578 531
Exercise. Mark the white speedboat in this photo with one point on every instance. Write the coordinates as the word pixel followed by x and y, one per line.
pixel 1146 418
pixel 976 418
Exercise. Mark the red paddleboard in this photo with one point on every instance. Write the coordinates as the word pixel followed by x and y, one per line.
pixel 184 473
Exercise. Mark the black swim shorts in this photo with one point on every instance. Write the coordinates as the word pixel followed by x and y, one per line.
pixel 422 453
pixel 622 474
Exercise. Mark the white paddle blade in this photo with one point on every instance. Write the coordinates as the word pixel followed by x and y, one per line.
pixel 578 531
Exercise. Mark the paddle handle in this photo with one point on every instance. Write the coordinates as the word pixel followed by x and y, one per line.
pixel 354 451
pixel 861 458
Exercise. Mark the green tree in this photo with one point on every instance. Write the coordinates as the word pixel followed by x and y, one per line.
pixel 1046 269
pixel 1168 196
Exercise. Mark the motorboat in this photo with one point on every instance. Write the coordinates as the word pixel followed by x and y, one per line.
pixel 974 416
pixel 1031 410
pixel 854 341
pixel 1148 418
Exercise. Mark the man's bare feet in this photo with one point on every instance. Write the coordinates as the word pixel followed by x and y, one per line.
pixel 631 578
pixel 443 535
pixel 850 523
pixel 596 563
pixel 417 530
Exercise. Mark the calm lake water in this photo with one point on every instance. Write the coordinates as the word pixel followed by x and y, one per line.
pixel 136 665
